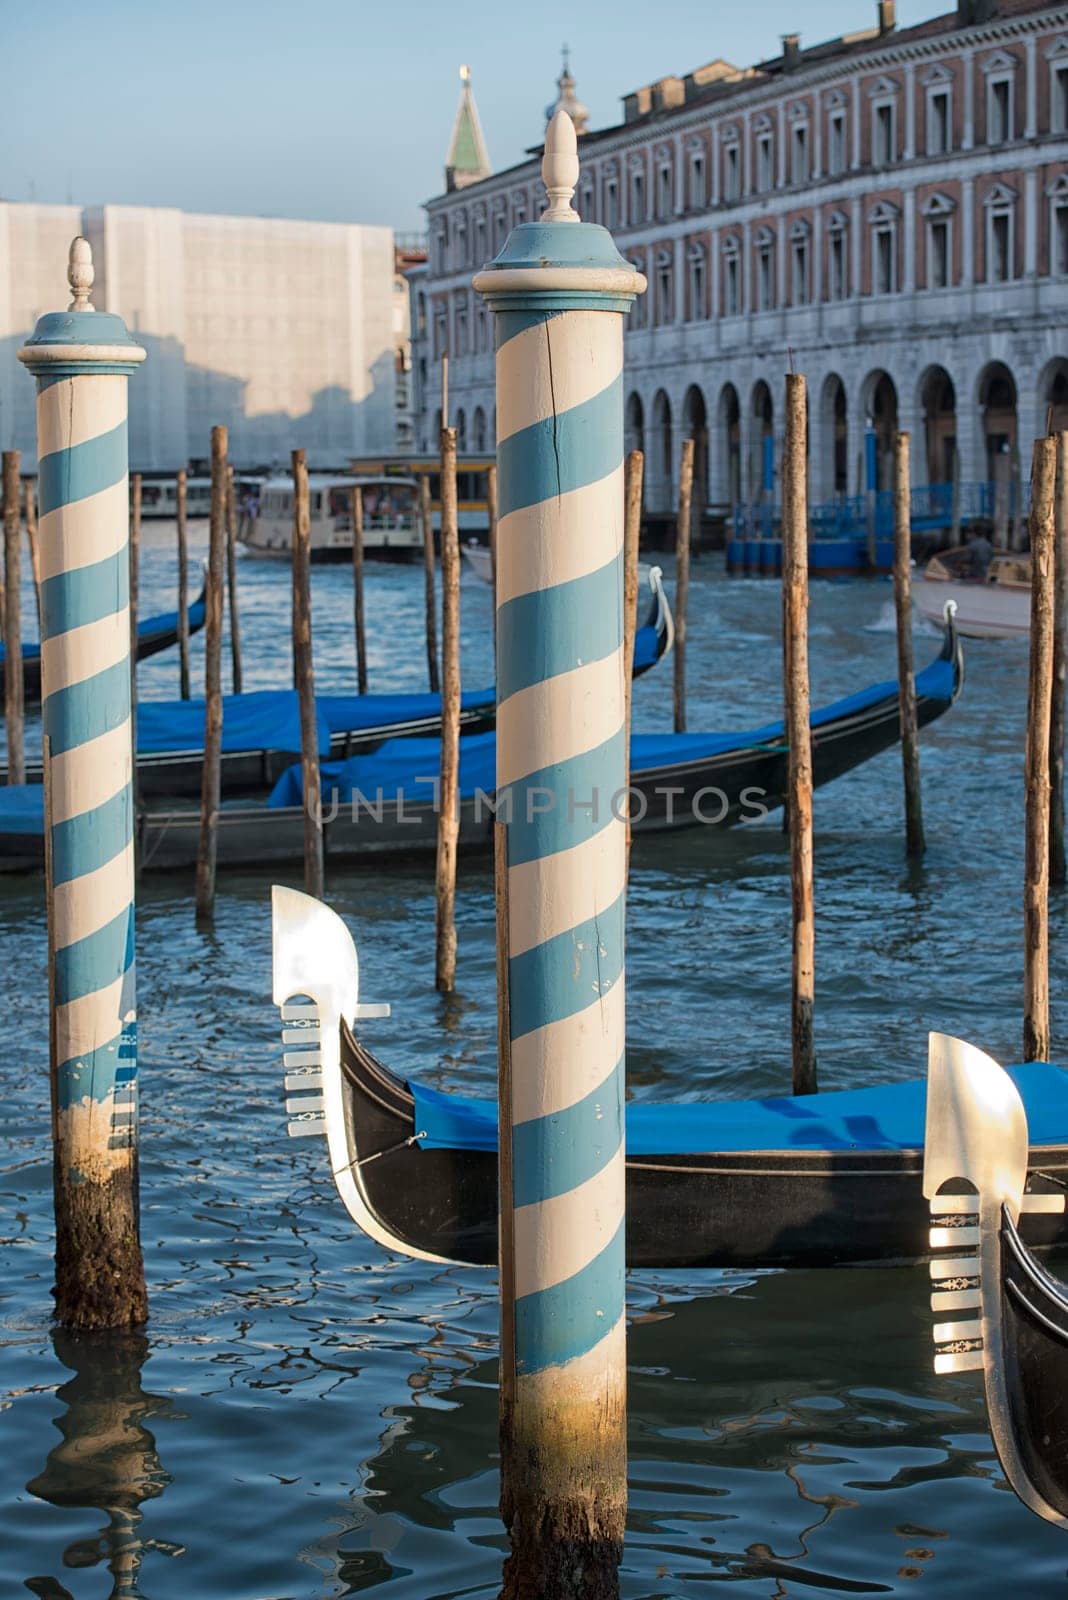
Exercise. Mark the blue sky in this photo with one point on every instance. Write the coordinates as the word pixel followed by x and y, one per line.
pixel 334 109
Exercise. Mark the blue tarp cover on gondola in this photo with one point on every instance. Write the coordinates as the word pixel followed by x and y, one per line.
pixel 888 1117
pixel 167 622
pixel 408 766
pixel 22 808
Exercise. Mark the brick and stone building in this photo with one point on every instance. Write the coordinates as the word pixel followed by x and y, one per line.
pixel 890 208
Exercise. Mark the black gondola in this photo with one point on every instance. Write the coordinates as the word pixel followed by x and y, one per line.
pixel 814 1180
pixel 153 635
pixel 1016 1333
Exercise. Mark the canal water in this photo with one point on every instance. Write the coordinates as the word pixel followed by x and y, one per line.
pixel 304 1416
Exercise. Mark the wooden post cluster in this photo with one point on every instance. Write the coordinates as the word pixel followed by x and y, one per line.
pixel 426 518
pixel 16 765
pixel 82 359
pixel 304 675
pixel 231 583
pixel 1036 760
pixel 906 672
pixel 1058 872
pixel 799 734
pixel 561 889
pixel 181 503
pixel 682 579
pixel 448 815
pixel 357 590
pixel 211 776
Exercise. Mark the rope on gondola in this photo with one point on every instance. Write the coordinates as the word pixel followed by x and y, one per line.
pixel 402 1144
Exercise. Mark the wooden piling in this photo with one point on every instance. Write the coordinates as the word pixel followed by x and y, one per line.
pixel 16 763
pixel 799 734
pixel 633 469
pixel 135 568
pixel 305 679
pixel 954 530
pixel 682 579
pixel 426 518
pixel 211 776
pixel 357 590
pixel 231 583
pixel 448 819
pixel 1058 869
pixel 34 547
pixel 1036 760
pixel 180 502
pixel 491 514
pixel 906 672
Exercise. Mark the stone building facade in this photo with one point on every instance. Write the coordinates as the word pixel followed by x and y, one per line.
pixel 889 210
pixel 288 332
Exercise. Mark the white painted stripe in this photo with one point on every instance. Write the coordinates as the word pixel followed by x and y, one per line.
pixel 551 895
pixel 93 1020
pixel 75 410
pixel 555 366
pixel 559 1064
pixel 86 531
pixel 72 657
pixel 560 539
pixel 592 1384
pixel 560 717
pixel 549 1247
pixel 88 903
pixel 83 778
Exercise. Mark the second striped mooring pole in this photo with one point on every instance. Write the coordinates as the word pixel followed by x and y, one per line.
pixel 558 289
pixel 81 359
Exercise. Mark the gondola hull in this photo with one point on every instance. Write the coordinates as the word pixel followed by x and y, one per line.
pixel 773 1208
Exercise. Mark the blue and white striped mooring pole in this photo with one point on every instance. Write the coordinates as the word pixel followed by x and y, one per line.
pixel 559 289
pixel 81 359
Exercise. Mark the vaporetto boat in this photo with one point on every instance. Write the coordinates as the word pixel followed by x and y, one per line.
pixel 391 527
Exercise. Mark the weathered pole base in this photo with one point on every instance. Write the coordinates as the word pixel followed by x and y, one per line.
pixel 564 1479
pixel 100 1271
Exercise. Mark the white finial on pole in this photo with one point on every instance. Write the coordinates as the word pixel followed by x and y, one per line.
pixel 80 274
pixel 560 168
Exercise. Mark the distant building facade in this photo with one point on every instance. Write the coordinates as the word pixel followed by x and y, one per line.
pixel 891 207
pixel 285 331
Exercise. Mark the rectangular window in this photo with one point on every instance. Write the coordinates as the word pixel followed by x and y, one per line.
pixel 697 289
pixel 1059 100
pixel 664 307
pixel 938 251
pixel 999 111
pixel 730 287
pixel 837 267
pixel 884 152
pixel 1060 241
pixel 731 170
pixel 938 123
pixel 637 199
pixel 611 205
pixel 800 274
pixel 1000 247
pixel 663 199
pixel 836 162
pixel 697 181
pixel 884 261
pixel 764 278
pixel 764 163
pixel 799 156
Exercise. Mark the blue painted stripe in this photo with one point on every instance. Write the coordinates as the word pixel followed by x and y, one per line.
pixel 65 476
pixel 556 1153
pixel 562 453
pixel 555 630
pixel 510 324
pixel 567 973
pixel 559 1324
pixel 85 594
pixel 83 711
pixel 92 963
pixel 94 1075
pixel 563 805
pixel 82 844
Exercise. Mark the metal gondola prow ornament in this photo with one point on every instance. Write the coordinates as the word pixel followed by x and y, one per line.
pixel 975 1171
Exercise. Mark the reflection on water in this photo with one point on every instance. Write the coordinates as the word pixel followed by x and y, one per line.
pixel 339 1408
pixel 106 1459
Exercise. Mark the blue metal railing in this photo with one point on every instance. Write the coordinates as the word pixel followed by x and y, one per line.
pixel 847 516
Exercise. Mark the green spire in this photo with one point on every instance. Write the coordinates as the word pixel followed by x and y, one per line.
pixel 467 160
